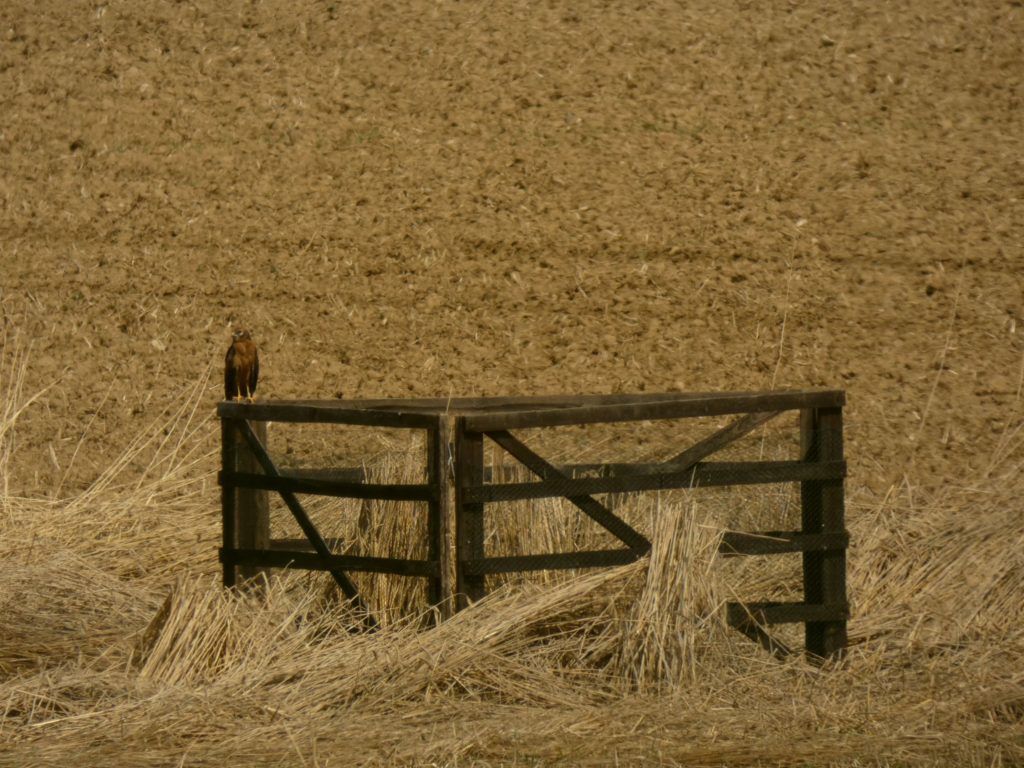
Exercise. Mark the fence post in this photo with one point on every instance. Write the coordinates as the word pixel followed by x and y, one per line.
pixel 439 588
pixel 252 508
pixel 822 511
pixel 228 461
pixel 469 516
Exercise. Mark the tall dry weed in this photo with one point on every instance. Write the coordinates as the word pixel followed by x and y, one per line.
pixel 119 647
pixel 677 614
pixel 14 399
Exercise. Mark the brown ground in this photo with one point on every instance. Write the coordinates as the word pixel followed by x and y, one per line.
pixel 424 198
pixel 431 197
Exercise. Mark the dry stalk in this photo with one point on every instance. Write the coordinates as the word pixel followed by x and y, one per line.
pixel 676 615
pixel 120 647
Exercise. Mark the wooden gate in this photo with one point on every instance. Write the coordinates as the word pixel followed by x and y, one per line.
pixel 456 431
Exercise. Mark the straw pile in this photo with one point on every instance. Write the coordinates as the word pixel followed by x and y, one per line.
pixel 118 646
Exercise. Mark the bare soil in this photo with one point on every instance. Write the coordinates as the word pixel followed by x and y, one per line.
pixel 433 198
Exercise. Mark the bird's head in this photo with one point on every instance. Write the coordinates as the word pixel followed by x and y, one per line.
pixel 240 334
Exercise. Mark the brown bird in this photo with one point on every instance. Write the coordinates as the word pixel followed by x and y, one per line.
pixel 241 367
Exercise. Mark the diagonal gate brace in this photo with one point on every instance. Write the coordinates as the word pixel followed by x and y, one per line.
pixel 304 521
pixel 715 442
pixel 594 509
pixel 739 618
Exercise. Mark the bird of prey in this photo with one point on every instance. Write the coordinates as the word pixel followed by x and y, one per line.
pixel 241 367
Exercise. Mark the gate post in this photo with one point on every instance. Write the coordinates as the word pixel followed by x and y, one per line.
pixel 469 516
pixel 245 511
pixel 439 587
pixel 228 494
pixel 253 507
pixel 822 511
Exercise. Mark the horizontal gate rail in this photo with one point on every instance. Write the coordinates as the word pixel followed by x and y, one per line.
pixel 336 488
pixel 670 407
pixel 600 558
pixel 341 474
pixel 312 561
pixel 320 412
pixel 433 406
pixel 703 475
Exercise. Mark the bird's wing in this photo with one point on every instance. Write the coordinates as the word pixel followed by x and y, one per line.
pixel 255 374
pixel 229 373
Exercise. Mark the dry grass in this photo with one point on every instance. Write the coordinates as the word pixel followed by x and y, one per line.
pixel 119 647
